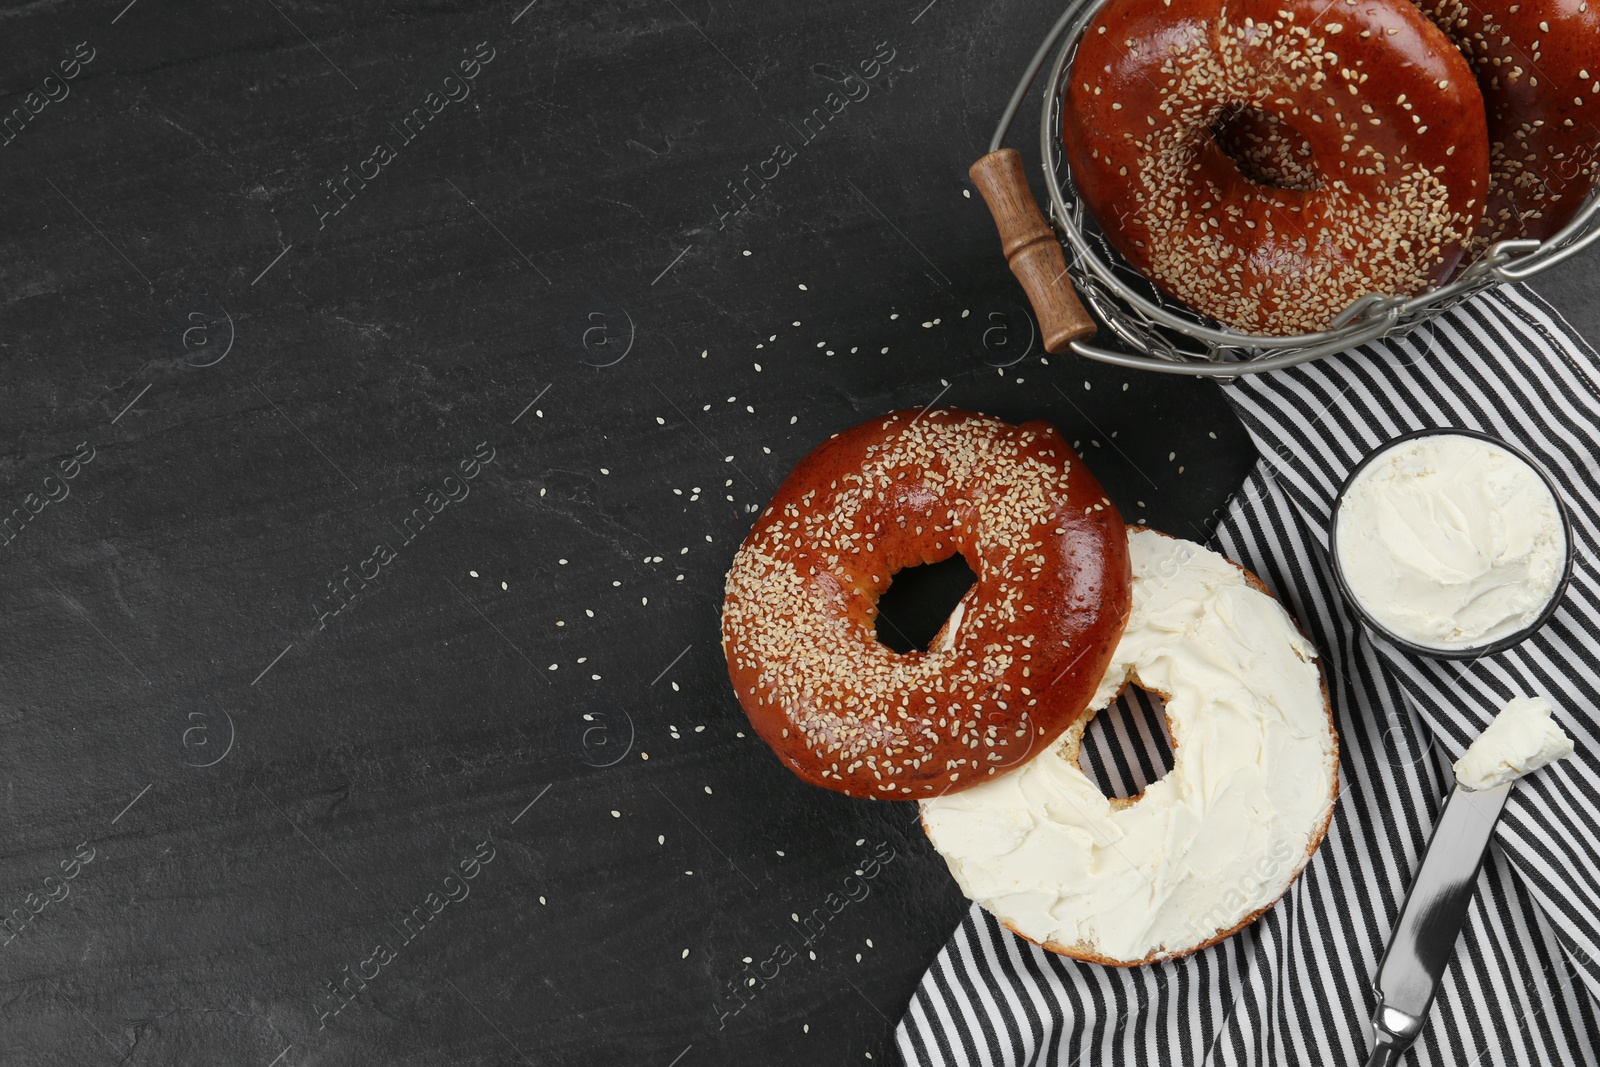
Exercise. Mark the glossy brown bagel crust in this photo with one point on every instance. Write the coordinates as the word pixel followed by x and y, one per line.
pixel 1035 632
pixel 1389 108
pixel 1538 65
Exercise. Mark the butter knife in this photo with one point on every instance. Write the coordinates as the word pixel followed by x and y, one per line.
pixel 1424 935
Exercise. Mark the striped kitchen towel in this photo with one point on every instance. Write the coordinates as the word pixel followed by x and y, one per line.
pixel 1295 988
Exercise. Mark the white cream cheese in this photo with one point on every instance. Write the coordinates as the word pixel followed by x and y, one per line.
pixel 945 639
pixel 1522 738
pixel 1450 541
pixel 1215 840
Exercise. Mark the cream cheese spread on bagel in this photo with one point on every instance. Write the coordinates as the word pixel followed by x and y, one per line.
pixel 1215 841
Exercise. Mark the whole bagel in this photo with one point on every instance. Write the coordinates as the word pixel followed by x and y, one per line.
pixel 1020 656
pixel 1394 186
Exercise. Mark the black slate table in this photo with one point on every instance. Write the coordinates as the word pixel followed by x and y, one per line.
pixel 385 390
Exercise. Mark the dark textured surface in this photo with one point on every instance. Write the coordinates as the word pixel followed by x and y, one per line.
pixel 270 777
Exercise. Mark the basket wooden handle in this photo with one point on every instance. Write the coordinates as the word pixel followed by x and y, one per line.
pixel 1031 248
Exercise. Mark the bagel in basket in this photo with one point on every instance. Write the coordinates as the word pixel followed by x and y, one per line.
pixel 1385 201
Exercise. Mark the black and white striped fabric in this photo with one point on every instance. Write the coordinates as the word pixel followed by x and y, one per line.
pixel 1295 988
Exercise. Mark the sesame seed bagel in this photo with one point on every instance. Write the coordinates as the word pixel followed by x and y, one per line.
pixel 1538 66
pixel 1021 654
pixel 1212 844
pixel 1398 169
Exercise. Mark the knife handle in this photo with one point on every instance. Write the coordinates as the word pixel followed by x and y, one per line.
pixel 1386 1050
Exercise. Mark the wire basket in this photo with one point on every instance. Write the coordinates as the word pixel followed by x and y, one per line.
pixel 1156 332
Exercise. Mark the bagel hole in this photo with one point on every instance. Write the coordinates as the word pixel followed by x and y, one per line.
pixel 919 600
pixel 1265 149
pixel 1127 746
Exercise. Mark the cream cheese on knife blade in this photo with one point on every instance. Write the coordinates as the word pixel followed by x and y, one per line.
pixel 1522 738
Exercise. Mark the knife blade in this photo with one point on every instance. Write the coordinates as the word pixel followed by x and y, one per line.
pixel 1435 909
